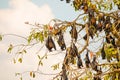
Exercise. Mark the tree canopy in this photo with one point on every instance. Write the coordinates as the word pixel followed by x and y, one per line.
pixel 98 21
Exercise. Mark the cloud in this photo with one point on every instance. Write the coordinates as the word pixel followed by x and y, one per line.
pixel 12 21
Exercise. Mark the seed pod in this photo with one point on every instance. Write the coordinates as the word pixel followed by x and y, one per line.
pixel 74 33
pixel 50 43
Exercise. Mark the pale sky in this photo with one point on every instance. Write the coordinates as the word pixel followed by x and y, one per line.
pixel 13 14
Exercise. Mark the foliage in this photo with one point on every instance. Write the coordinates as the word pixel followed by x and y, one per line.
pixel 96 17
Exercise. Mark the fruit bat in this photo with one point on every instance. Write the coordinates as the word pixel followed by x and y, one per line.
pixel 94 64
pixel 90 13
pixel 117 57
pixel 67 1
pixel 64 75
pixel 99 26
pixel 85 37
pixel 61 42
pixel 107 38
pixel 74 50
pixel 113 42
pixel 91 33
pixel 103 55
pixel 93 21
pixel 74 33
pixel 50 43
pixel 66 57
pixel 71 52
pixel 96 78
pixel 87 60
pixel 79 62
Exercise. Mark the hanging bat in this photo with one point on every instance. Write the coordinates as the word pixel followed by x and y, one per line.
pixel 103 55
pixel 87 60
pixel 50 43
pixel 64 75
pixel 61 42
pixel 79 62
pixel 73 50
pixel 73 32
pixel 94 64
pixel 96 78
pixel 67 1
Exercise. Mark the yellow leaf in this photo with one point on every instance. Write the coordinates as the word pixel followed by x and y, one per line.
pixel 31 73
pixel 84 18
pixel 14 61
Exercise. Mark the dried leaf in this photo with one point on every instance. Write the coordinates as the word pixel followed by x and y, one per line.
pixel 31 74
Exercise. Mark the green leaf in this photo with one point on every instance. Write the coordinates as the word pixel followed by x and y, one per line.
pixel 10 48
pixel 40 63
pixel 17 74
pixel 24 51
pixel 45 33
pixel 117 75
pixel 20 78
pixel 0 37
pixel 55 67
pixel 106 77
pixel 20 60
pixel 99 6
pixel 41 37
pixel 111 6
pixel 30 38
pixel 84 18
